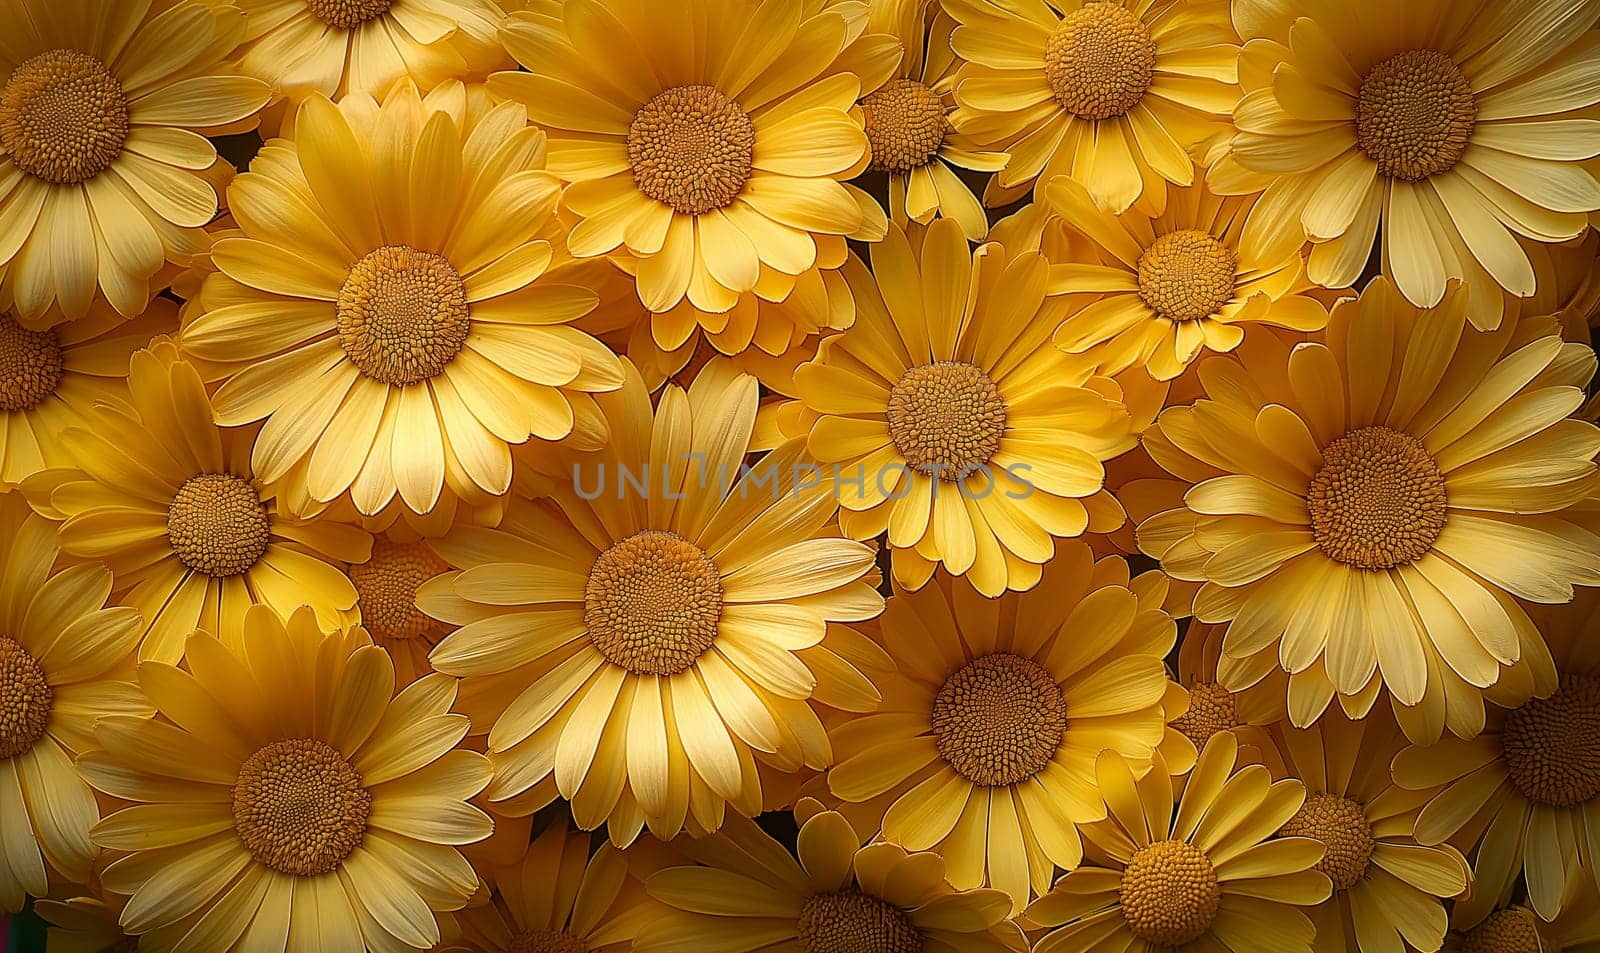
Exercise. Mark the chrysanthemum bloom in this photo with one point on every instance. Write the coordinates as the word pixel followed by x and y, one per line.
pixel 837 896
pixel 969 439
pixel 397 251
pixel 1212 707
pixel 285 794
pixel 1388 890
pixel 908 123
pixel 51 378
pixel 1167 288
pixel 169 502
pixel 556 898
pixel 715 157
pixel 646 634
pixel 1524 794
pixel 1452 129
pixel 386 602
pixel 1213 877
pixel 1366 507
pixel 63 655
pixel 984 748
pixel 103 177
pixel 1115 94
pixel 337 47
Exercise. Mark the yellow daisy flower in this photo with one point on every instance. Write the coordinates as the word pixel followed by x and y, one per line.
pixel 1524 795
pixel 715 157
pixel 837 895
pixel 1451 125
pixel 948 420
pixel 1164 289
pixel 338 47
pixel 51 379
pixel 643 633
pixel 555 898
pixel 64 656
pixel 169 502
pixel 908 123
pixel 1212 877
pixel 1212 706
pixel 386 602
pixel 1517 929
pixel 1388 890
pixel 286 796
pixel 1368 506
pixel 1115 94
pixel 398 251
pixel 986 740
pixel 103 178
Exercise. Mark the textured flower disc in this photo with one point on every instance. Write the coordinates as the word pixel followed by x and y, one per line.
pixel 299 807
pixel 999 719
pixel 691 147
pixel 652 603
pixel 1513 930
pixel 386 590
pixel 906 125
pixel 1187 275
pixel 1169 893
pixel 545 941
pixel 854 922
pixel 1378 500
pixel 30 365
pixel 63 117
pixel 1211 709
pixel 1414 114
pixel 946 419
pixel 402 315
pixel 1099 61
pixel 1552 745
pixel 348 14
pixel 1341 826
pixel 25 699
pixel 217 525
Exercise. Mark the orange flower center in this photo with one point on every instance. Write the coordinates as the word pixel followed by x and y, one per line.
pixel 1552 745
pixel 652 603
pixel 299 807
pixel 853 922
pixel 30 365
pixel 1169 893
pixel 545 941
pixel 1211 709
pixel 906 125
pixel 1187 275
pixel 1341 826
pixel 217 525
pixel 402 315
pixel 63 117
pixel 691 147
pixel 1512 930
pixel 348 14
pixel 999 719
pixel 386 590
pixel 1378 501
pixel 1414 114
pixel 25 699
pixel 946 419
pixel 1099 61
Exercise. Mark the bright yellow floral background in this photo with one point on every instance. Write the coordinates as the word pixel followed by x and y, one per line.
pixel 802 476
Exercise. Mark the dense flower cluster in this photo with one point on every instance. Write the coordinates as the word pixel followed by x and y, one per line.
pixel 809 476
